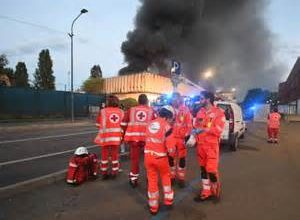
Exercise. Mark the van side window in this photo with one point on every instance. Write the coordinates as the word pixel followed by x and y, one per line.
pixel 227 110
pixel 227 114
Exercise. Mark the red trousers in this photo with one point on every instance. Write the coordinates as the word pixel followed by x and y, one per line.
pixel 208 157
pixel 273 133
pixel 181 152
pixel 158 166
pixel 180 147
pixel 113 152
pixel 135 154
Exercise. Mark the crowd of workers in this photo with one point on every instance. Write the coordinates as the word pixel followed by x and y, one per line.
pixel 163 136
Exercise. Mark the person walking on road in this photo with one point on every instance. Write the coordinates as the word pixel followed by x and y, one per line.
pixel 181 131
pixel 110 122
pixel 209 125
pixel 273 126
pixel 156 158
pixel 137 118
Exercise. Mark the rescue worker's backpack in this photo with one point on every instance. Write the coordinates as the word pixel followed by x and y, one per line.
pixel 94 165
pixel 81 167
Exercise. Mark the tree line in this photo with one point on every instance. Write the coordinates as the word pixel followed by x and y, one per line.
pixel 43 75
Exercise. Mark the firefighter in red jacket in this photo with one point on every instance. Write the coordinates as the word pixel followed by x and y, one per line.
pixel 110 122
pixel 209 125
pixel 181 130
pixel 156 158
pixel 273 126
pixel 138 118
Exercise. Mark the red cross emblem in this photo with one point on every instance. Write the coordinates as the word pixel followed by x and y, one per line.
pixel 141 116
pixel 114 118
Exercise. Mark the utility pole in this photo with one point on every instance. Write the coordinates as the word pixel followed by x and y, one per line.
pixel 72 88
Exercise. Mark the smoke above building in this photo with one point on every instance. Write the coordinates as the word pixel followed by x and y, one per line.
pixel 230 36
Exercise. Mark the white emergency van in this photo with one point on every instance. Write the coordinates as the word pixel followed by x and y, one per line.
pixel 235 126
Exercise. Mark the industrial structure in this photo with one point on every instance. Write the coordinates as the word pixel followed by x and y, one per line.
pixel 151 84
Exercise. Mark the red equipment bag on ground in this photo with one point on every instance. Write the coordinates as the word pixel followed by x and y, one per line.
pixel 81 168
pixel 94 165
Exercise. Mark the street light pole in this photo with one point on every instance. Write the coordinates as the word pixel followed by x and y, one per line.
pixel 72 87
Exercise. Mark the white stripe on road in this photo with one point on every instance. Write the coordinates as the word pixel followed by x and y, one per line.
pixel 41 156
pixel 41 180
pixel 47 155
pixel 46 137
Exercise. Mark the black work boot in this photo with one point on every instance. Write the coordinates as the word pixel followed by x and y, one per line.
pixel 113 176
pixel 133 183
pixel 105 177
pixel 152 212
pixel 199 198
pixel 181 183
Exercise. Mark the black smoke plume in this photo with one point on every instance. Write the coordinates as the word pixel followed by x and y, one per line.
pixel 230 36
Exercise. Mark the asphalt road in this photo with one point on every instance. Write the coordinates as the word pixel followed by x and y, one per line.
pixel 259 181
pixel 29 153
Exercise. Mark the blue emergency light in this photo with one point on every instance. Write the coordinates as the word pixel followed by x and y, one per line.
pixel 253 108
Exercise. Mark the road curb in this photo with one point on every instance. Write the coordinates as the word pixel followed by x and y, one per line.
pixel 31 184
pixel 27 185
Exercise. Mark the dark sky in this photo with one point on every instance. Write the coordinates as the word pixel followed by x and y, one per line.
pixel 230 36
pixel 100 33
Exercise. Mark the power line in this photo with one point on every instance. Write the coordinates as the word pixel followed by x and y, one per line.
pixel 31 24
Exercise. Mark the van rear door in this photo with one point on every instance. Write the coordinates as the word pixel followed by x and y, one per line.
pixel 228 114
pixel 239 121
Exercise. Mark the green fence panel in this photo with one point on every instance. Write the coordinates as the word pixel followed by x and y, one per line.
pixel 31 102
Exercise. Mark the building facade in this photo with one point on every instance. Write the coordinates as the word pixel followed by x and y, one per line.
pixel 289 91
